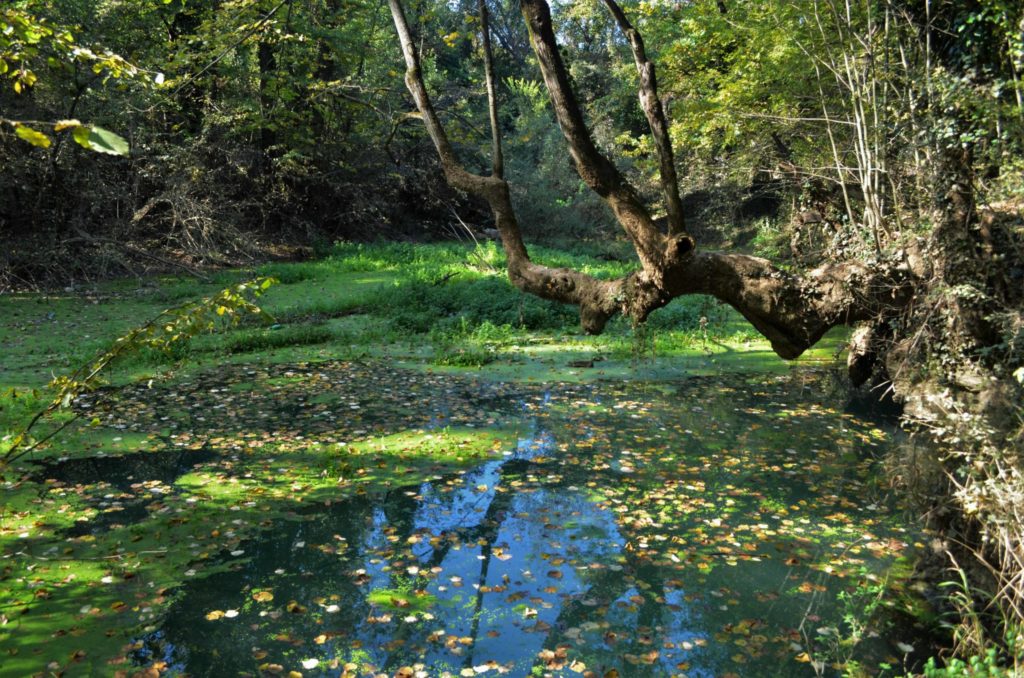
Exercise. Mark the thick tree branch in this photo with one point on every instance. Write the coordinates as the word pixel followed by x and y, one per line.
pixel 599 173
pixel 598 299
pixel 650 102
pixel 793 312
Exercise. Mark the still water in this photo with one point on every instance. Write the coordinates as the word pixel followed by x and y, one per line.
pixel 708 527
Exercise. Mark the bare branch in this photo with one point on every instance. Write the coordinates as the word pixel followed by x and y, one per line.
pixel 456 175
pixel 656 119
pixel 599 173
pixel 497 160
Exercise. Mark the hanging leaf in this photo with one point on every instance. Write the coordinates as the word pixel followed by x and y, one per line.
pixel 81 136
pixel 100 140
pixel 105 141
pixel 32 136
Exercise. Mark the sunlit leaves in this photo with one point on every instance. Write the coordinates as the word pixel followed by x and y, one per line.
pixel 27 42
pixel 32 136
pixel 87 136
pixel 100 140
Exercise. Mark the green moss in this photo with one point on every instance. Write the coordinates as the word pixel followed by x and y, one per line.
pixel 401 601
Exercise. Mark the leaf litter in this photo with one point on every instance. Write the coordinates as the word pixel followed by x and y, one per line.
pixel 337 515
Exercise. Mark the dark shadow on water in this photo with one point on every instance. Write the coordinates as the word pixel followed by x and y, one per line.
pixel 123 471
pixel 875 403
pixel 141 478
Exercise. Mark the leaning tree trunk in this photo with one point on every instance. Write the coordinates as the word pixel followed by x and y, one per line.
pixel 792 311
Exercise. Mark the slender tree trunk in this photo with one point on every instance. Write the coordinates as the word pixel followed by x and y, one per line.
pixel 267 60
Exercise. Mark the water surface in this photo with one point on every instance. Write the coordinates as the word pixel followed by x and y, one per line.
pixel 706 527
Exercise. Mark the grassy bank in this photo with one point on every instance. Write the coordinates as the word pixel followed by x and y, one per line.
pixel 431 305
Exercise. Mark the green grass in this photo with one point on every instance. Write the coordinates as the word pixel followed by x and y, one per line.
pixel 435 307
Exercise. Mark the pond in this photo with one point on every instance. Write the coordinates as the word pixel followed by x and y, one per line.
pixel 727 526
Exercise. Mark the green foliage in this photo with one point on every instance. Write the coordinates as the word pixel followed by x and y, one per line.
pixel 100 140
pixel 276 336
pixel 978 666
pixel 87 136
pixel 461 343
pixel 28 42
pixel 417 305
pixel 23 39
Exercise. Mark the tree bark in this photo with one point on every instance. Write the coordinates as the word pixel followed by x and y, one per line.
pixel 497 158
pixel 650 102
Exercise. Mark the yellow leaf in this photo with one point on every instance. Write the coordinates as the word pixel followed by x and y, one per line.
pixel 62 125
pixel 32 136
